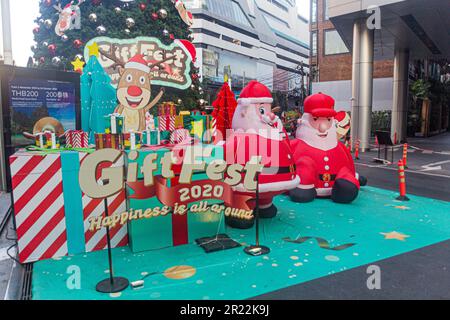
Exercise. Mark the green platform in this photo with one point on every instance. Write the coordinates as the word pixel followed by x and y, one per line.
pixel 367 223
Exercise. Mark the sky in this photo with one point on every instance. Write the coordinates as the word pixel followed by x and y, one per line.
pixel 22 24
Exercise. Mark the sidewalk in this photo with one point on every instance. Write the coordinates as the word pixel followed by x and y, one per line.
pixel 10 272
pixel 428 167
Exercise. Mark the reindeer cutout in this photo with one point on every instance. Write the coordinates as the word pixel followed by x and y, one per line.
pixel 134 89
pixel 69 17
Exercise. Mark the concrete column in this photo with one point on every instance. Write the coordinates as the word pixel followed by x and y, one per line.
pixel 362 83
pixel 355 84
pixel 400 95
pixel 6 27
pixel 366 86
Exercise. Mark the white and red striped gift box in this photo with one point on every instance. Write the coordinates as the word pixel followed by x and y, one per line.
pixel 41 216
pixel 166 123
pixel 38 206
pixel 77 138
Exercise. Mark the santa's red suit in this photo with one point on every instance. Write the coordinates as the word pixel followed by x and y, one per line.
pixel 256 132
pixel 324 165
pixel 320 169
pixel 278 174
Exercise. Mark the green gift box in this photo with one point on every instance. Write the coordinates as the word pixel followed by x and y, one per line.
pixel 200 124
pixel 151 137
pixel 114 123
pixel 165 135
pixel 171 229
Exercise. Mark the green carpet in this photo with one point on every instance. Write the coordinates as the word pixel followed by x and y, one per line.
pixel 231 274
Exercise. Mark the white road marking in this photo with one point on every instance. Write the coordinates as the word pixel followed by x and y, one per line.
pixel 434 166
pixel 410 171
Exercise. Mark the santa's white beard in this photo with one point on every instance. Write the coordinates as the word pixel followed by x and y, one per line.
pixel 309 135
pixel 246 119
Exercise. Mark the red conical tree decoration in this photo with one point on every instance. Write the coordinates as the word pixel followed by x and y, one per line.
pixel 224 107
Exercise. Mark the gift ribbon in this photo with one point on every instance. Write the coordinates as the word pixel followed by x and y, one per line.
pixel 324 244
pixel 169 196
pixel 44 151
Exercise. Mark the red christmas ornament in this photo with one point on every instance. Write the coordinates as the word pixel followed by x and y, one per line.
pixel 51 49
pixel 194 76
pixel 42 60
pixel 172 37
pixel 77 43
pixel 36 30
pixel 154 16
pixel 48 3
pixel 142 6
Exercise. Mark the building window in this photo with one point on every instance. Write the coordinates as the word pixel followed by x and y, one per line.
pixel 230 10
pixel 279 5
pixel 314 43
pixel 325 10
pixel 333 43
pixel 275 22
pixel 313 11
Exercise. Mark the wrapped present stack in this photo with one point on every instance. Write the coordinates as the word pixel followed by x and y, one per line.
pixel 114 123
pixel 112 138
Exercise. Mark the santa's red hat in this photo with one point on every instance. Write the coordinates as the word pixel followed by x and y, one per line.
pixel 254 93
pixel 138 62
pixel 320 105
pixel 188 48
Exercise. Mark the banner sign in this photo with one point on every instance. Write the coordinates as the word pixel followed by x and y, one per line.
pixel 174 73
pixel 33 99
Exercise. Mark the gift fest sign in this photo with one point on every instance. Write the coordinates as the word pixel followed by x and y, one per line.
pixel 219 185
pixel 173 73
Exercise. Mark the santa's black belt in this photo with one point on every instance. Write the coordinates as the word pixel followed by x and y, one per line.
pixel 278 170
pixel 327 177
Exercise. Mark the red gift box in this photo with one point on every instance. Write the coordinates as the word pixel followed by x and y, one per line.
pixel 77 139
pixel 108 140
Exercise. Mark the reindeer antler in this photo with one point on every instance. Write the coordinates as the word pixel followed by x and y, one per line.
pixel 58 7
pixel 112 57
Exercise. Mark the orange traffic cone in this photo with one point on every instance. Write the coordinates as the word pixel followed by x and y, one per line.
pixel 402 181
pixel 357 150
pixel 405 155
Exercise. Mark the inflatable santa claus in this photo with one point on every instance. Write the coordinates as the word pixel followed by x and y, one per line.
pixel 324 165
pixel 257 132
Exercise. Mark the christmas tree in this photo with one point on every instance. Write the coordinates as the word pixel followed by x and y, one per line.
pixel 224 107
pixel 65 26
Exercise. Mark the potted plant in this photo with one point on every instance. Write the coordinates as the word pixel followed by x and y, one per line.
pixel 420 91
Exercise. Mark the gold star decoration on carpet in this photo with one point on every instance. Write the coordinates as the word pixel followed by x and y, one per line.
pixel 93 50
pixel 78 65
pixel 394 235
